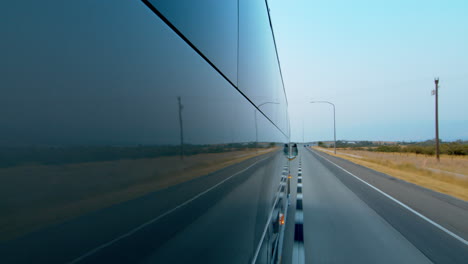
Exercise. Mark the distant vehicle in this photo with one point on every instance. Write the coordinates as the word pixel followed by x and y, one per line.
pixel 294 150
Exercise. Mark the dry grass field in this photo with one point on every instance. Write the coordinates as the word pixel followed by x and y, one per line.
pixel 449 176
pixel 34 196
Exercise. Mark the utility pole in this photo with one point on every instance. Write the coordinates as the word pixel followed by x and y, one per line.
pixel 436 93
pixel 303 130
pixel 181 128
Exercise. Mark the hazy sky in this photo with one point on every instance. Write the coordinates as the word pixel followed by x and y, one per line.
pixel 376 60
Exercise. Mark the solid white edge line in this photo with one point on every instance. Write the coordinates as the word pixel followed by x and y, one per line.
pixel 136 229
pixel 400 203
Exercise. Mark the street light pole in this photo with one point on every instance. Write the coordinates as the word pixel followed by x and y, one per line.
pixel 255 118
pixel 303 130
pixel 334 120
pixel 256 128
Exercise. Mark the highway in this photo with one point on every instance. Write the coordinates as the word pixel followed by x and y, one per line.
pixel 217 218
pixel 352 214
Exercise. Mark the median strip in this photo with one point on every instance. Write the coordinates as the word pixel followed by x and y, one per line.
pixel 298 246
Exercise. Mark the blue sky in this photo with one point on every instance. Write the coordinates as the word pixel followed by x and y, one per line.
pixel 376 60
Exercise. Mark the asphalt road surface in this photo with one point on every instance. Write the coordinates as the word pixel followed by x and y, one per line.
pixel 356 215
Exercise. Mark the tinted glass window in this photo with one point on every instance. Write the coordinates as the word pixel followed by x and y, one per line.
pixel 210 25
pixel 119 142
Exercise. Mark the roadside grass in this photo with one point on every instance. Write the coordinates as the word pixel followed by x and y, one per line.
pixel 415 169
pixel 35 196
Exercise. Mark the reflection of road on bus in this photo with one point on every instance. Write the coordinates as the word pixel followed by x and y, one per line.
pixel 223 212
pixel 59 192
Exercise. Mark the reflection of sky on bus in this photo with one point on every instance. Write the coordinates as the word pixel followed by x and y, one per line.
pixel 376 60
pixel 83 76
pixel 95 86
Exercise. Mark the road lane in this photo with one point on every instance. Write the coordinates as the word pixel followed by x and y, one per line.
pixel 340 228
pixel 450 213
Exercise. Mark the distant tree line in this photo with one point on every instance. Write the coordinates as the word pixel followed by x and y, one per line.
pixel 348 144
pixel 450 148
pixel 427 147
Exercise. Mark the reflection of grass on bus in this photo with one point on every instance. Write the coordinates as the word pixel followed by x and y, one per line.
pixel 34 195
pixel 77 154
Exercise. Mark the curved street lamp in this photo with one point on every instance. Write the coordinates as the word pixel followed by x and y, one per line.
pixel 255 116
pixel 334 122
